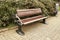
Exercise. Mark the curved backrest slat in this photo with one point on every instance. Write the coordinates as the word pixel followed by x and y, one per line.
pixel 28 12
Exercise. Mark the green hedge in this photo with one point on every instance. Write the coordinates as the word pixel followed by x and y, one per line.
pixel 8 8
pixel 6 13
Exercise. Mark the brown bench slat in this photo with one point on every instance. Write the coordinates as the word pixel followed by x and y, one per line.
pixel 31 18
pixel 28 12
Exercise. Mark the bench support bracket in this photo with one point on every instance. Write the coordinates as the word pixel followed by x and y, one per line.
pixel 19 31
pixel 44 21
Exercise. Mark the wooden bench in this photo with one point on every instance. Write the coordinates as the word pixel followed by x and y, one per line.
pixel 27 16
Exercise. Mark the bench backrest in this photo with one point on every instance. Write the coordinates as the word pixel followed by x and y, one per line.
pixel 28 12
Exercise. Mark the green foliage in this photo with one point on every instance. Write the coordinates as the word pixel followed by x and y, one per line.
pixel 57 0
pixel 6 13
pixel 49 5
pixel 8 8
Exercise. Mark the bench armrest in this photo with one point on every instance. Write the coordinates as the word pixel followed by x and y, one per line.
pixel 18 20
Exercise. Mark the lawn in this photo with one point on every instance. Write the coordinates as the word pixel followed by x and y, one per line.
pixel 10 26
pixel 59 8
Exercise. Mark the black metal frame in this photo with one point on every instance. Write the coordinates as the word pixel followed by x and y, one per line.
pixel 19 31
pixel 44 21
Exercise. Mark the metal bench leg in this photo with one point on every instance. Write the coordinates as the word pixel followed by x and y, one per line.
pixel 19 31
pixel 44 21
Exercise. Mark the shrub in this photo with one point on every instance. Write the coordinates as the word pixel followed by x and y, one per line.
pixel 6 13
pixel 8 8
pixel 49 5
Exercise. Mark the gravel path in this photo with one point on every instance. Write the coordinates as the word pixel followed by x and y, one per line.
pixel 36 31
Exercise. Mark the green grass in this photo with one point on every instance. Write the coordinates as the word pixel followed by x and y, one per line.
pixel 10 26
pixel 59 8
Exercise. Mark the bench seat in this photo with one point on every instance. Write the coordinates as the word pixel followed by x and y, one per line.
pixel 32 19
